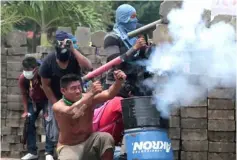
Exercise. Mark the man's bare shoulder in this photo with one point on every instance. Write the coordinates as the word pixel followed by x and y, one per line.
pixel 59 104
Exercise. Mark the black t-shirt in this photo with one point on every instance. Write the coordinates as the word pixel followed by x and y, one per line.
pixel 49 69
pixel 115 47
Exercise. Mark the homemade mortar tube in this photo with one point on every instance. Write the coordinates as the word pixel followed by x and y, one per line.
pixel 109 65
pixel 123 57
pixel 144 29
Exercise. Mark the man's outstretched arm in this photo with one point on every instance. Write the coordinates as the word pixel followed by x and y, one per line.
pixel 113 89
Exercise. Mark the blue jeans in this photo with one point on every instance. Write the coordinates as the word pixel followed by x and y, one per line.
pixel 34 110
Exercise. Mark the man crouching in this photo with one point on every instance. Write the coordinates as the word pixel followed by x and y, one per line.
pixel 74 115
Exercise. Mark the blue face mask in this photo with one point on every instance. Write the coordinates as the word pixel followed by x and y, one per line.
pixel 131 25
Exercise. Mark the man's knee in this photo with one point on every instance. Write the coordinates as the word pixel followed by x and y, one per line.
pixel 106 138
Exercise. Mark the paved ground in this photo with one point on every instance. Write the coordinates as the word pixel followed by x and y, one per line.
pixel 9 159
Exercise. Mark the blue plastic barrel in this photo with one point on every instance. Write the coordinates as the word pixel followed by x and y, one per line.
pixel 149 143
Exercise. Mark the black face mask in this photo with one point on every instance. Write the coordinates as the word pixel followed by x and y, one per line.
pixel 63 54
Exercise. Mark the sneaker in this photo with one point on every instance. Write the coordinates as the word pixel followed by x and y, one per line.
pixel 49 157
pixel 29 156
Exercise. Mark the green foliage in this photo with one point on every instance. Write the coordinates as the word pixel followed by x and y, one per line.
pixel 8 18
pixel 44 16
pixel 49 15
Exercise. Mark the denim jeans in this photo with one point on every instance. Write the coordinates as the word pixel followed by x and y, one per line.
pixel 34 110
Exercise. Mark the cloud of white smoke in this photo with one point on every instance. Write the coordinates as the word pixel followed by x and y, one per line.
pixel 195 49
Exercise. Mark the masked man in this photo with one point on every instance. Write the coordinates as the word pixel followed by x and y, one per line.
pixel 34 100
pixel 64 61
pixel 117 43
pixel 74 114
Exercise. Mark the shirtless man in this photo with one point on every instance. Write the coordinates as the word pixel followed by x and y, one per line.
pixel 74 114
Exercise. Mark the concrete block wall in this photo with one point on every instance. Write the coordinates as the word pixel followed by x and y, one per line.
pixel 11 101
pixel 205 129
pixel 11 104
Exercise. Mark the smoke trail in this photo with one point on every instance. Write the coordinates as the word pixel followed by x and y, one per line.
pixel 195 49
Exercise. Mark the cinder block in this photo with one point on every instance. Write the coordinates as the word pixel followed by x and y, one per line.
pixel 221 114
pixel 14 114
pixel 3 122
pixel 3 67
pixel 40 131
pixel 41 146
pixel 221 125
pixel 221 136
pixel 16 51
pixel 16 38
pixel 10 122
pixel 175 112
pixel 20 131
pixel 224 93
pixel 101 52
pixel 14 98
pixel 174 133
pixel 175 145
pixel 12 83
pixel 17 147
pixel 196 146
pixel 5 153
pixel 8 130
pixel 194 112
pixel 13 90
pixel 191 123
pixel 176 155
pixel 3 82
pixel 221 156
pixel 4 60
pixel 3 51
pixel 227 147
pixel 174 122
pixel 193 155
pixel 200 102
pixel 221 104
pixel 3 98
pixel 88 50
pixel 194 134
pixel 5 130
pixel 3 90
pixel 3 112
pixel 17 106
pixel 13 74
pixel 18 58
pixel 14 66
pixel 5 147
pixel 11 139
pixel 15 154
pixel 3 105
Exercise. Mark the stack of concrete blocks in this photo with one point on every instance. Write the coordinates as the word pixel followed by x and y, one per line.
pixel 221 123
pixel 204 129
pixel 12 108
pixel 92 45
pixel 194 140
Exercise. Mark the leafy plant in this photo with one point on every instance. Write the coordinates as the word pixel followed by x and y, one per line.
pixel 52 14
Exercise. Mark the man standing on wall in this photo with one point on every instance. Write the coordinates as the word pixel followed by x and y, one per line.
pixel 34 100
pixel 64 61
pixel 117 43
